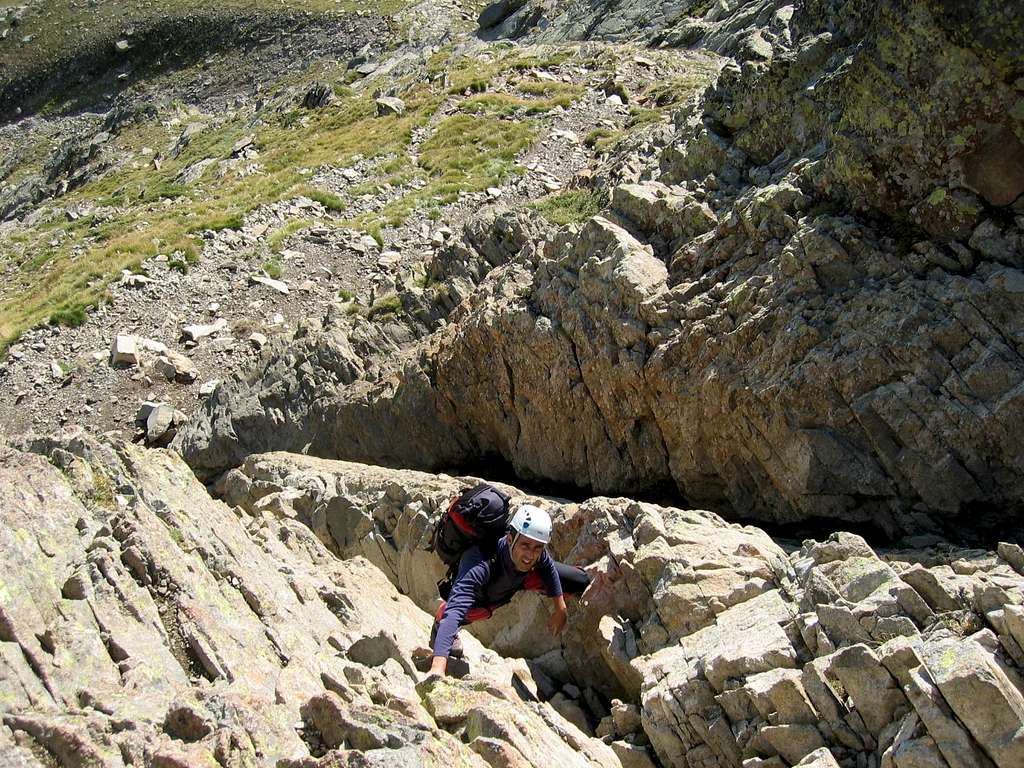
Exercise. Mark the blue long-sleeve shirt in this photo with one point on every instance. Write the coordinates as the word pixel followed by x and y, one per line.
pixel 479 585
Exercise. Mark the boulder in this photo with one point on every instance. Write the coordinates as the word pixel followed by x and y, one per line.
pixel 978 690
pixel 176 367
pixel 124 351
pixel 819 758
pixel 495 13
pixel 390 105
pixel 318 96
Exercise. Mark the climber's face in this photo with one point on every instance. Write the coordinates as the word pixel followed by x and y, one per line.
pixel 525 552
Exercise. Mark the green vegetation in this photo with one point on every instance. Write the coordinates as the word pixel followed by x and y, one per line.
pixel 101 494
pixel 328 200
pixel 143 211
pixel 385 305
pixel 273 269
pixel 677 90
pixel 467 153
pixel 505 105
pixel 373 230
pixel 472 153
pixel 345 295
pixel 70 317
pixel 217 223
pixel 639 117
pixel 569 207
pixel 602 139
pixel 276 239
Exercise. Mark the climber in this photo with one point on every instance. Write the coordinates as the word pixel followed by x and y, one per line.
pixel 484 584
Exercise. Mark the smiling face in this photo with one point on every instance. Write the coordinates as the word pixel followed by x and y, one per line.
pixel 525 552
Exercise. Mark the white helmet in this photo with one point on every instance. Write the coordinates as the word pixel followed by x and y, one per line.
pixel 532 522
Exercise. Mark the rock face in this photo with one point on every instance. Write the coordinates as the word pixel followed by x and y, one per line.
pixel 807 306
pixel 733 648
pixel 143 623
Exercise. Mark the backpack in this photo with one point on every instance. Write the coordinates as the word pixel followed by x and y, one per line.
pixel 476 517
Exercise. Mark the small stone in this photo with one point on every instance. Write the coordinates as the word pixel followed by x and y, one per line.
pixel 258 340
pixel 159 421
pixel 207 388
pixel 194 333
pixel 277 285
pixel 156 347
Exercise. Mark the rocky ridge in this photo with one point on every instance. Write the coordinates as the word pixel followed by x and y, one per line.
pixel 782 312
pixel 145 623
pixel 278 627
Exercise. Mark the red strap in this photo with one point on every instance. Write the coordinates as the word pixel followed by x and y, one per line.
pixel 460 522
pixel 473 614
pixel 533 582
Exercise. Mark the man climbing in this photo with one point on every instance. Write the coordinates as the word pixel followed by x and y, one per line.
pixel 484 583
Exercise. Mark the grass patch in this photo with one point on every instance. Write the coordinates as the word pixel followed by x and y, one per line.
pixel 571 207
pixel 640 117
pixel 505 104
pixel 218 223
pixel 385 305
pixel 328 200
pixel 602 139
pixel 70 317
pixel 163 191
pixel 272 268
pixel 276 239
pixel 374 230
pixel 473 153
pixel 345 295
pixel 678 89
pixel 467 153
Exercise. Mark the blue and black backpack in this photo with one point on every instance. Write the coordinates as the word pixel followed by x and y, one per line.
pixel 477 517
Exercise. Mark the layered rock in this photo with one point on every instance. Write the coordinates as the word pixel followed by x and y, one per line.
pixel 808 308
pixel 144 623
pixel 734 649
